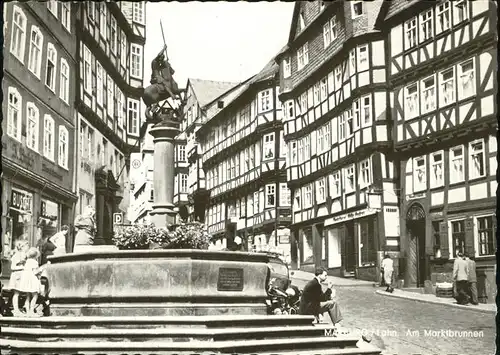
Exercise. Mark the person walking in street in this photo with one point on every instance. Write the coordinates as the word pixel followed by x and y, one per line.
pixel 472 280
pixel 388 269
pixel 86 229
pixel 17 262
pixel 59 240
pixel 315 302
pixel 461 277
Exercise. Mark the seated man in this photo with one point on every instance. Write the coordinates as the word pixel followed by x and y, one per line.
pixel 315 302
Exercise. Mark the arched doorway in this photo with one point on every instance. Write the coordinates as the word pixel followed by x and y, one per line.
pixel 415 227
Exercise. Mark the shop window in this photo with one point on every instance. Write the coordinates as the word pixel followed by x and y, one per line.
pixel 21 214
pixel 437 238
pixel 458 237
pixel 486 233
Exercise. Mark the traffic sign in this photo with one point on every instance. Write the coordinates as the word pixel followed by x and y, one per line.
pixel 118 218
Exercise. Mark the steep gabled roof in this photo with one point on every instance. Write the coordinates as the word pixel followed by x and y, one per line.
pixel 208 90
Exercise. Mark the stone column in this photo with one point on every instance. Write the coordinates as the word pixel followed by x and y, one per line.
pixel 163 177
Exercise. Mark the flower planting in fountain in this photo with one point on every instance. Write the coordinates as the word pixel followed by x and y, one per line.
pixel 181 236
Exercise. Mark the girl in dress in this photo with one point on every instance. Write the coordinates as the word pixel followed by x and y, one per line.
pixel 17 262
pixel 30 283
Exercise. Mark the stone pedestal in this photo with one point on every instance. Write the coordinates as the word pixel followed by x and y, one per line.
pixel 164 170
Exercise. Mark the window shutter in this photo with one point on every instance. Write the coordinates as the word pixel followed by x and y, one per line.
pixel 469 236
pixel 443 234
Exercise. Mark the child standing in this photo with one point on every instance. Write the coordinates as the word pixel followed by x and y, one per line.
pixel 30 283
pixel 17 262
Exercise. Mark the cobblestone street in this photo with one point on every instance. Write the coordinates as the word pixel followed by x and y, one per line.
pixel 399 326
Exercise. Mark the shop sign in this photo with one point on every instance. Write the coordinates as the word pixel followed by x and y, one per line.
pixel 22 200
pixel 349 216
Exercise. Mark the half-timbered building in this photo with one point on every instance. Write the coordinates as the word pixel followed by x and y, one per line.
pixel 110 53
pixel 442 73
pixel 337 128
pixel 244 161
pixel 201 105
pixel 38 157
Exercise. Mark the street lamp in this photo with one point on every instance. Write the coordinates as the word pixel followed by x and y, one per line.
pixel 373 199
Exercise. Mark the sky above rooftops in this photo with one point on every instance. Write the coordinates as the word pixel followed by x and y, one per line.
pixel 218 41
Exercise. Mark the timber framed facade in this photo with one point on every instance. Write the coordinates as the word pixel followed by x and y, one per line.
pixel 338 132
pixel 443 81
pixel 244 161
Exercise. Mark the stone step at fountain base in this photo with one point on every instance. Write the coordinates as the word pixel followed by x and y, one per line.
pixel 175 335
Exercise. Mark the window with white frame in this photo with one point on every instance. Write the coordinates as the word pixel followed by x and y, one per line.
pixel 419 174
pixel 32 128
pixel 287 68
pixel 62 155
pixel 352 61
pixel 323 89
pixel 64 81
pixel 256 202
pixel 66 14
pixel 366 111
pixel 349 121
pixel 349 179
pixel 50 74
pixel 52 6
pixel 110 102
pixel 102 20
pixel 133 117
pixel 319 140
pixel 303 56
pixel 250 205
pixel 269 146
pixel 120 102
pixel 320 190
pixel 342 128
pixel 290 110
pixel 81 142
pixel 457 164
pixel 307 147
pixel 87 67
pixel 411 101
pixel 426 27
pixel 356 111
pixel 458 237
pixel 48 137
pixel 300 150
pixel 264 100
pixel 90 142
pixel 182 153
pixel 428 95
pixel 447 86
pixel 476 159
pixel 91 9
pixel 18 41
pixel 285 195
pixel 303 103
pixel 270 195
pixel 335 185
pixel 443 15
pixel 14 116
pixel 136 61
pixel 330 31
pixel 437 161
pixel 365 172
pixel 411 33
pixel 35 54
pixel 362 57
pixel 327 136
pixel 113 36
pixel 308 196
pixel 138 12
pixel 293 152
pixel 99 84
pixel 486 235
pixel 461 11
pixel 338 77
pixel 466 79
pixel 184 183
pixel 297 198
pixel 357 8
pixel 316 96
pixel 123 49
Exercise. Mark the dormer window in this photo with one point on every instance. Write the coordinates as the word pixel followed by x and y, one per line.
pixel 357 8
pixel 287 70
pixel 302 24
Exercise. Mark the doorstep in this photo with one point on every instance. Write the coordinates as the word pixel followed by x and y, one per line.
pixel 430 298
